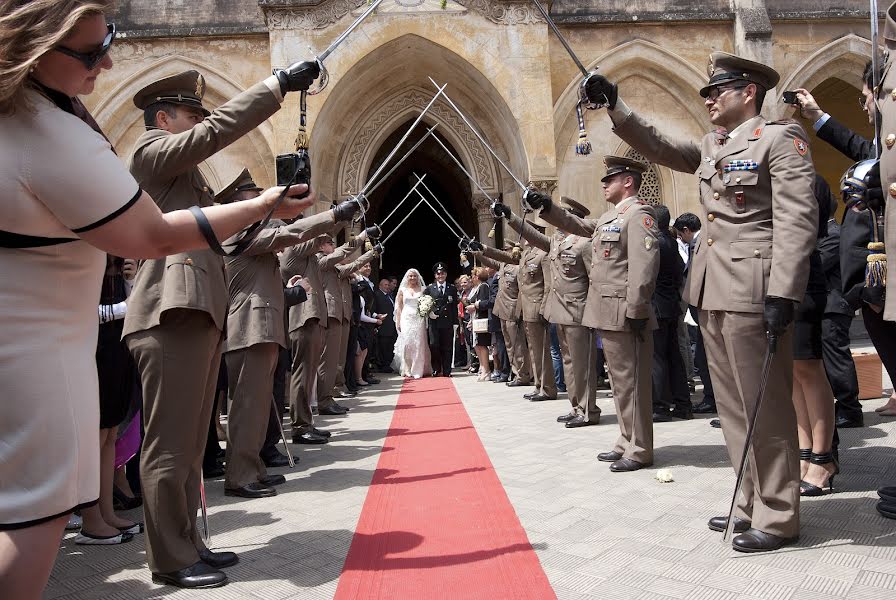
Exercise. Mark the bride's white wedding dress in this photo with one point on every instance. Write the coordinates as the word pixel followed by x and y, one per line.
pixel 412 347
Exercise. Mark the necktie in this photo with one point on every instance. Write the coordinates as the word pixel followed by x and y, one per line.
pixel 441 290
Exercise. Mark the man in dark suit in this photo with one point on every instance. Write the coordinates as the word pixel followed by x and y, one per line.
pixel 671 397
pixel 386 334
pixel 442 320
pixel 838 362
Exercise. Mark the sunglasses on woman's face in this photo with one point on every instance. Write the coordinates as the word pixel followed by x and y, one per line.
pixel 92 59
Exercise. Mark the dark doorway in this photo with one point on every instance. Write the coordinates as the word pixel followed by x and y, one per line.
pixel 423 239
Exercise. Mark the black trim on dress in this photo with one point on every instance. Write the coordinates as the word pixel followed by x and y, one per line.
pixel 108 218
pixel 42 520
pixel 8 239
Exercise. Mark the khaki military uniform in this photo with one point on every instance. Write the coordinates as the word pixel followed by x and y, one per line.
pixel 570 260
pixel 760 225
pixel 534 279
pixel 176 313
pixel 509 309
pixel 255 333
pixel 622 273
pixel 887 107
pixel 306 325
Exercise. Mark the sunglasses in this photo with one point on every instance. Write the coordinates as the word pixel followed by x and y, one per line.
pixel 92 59
pixel 715 92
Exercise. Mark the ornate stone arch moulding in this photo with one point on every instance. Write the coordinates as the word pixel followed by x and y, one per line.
pixel 394 110
pixel 287 14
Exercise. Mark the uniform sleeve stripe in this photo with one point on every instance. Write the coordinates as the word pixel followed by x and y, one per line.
pixel 8 239
pixel 115 214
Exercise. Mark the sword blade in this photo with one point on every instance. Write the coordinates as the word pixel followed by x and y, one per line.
pixel 406 196
pixel 206 532
pixel 875 74
pixel 433 209
pixel 442 206
pixel 323 55
pixel 279 418
pixel 400 223
pixel 553 26
pixel 478 135
pixel 460 164
pixel 748 442
pixel 403 158
pixel 440 92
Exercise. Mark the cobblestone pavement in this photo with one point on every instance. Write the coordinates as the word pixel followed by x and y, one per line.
pixel 599 535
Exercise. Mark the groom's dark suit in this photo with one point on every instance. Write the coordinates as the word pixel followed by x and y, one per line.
pixel 441 328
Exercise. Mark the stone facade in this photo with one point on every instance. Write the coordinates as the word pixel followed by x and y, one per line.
pixel 504 69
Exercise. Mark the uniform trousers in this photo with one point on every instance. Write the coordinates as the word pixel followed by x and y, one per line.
pixel 269 449
pixel 700 361
pixel 735 348
pixel 839 364
pixel 577 345
pixel 629 361
pixel 539 340
pixel 331 361
pixel 517 349
pixel 178 362
pixel 307 343
pixel 250 379
pixel 883 336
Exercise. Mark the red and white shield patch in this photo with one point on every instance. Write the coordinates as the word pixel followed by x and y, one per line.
pixel 801 147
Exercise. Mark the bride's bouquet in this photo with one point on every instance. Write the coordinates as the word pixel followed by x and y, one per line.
pixel 424 305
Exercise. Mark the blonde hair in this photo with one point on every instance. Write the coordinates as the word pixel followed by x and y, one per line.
pixel 28 30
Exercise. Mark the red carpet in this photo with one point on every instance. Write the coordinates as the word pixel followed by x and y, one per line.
pixel 437 522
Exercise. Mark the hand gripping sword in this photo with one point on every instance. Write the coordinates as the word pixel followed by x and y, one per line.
pixel 324 77
pixel 583 147
pixel 748 442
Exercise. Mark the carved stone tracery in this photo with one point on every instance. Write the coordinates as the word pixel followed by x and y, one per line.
pixel 329 12
pixel 412 101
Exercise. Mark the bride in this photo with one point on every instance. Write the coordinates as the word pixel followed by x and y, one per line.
pixel 412 347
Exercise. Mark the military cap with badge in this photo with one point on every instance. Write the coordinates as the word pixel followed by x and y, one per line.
pixel 183 89
pixel 242 183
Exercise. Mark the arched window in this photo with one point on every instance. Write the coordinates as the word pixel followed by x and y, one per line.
pixel 651 190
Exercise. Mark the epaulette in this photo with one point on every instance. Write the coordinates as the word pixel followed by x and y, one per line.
pixel 783 122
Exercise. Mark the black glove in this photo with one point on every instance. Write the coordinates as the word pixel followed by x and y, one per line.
pixel 298 76
pixel 778 314
pixel 374 232
pixel 599 90
pixel 378 248
pixel 499 209
pixel 637 326
pixel 874 193
pixel 345 210
pixel 475 246
pixel 536 200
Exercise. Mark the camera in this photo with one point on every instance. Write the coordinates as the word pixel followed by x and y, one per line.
pixel 294 168
pixel 790 98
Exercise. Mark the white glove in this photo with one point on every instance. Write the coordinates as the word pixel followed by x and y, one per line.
pixel 118 312
pixel 433 316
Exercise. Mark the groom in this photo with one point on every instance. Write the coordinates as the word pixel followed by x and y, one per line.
pixel 442 320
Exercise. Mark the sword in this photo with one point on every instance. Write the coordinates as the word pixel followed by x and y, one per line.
pixel 442 206
pixel 432 208
pixel 462 168
pixel 324 77
pixel 279 418
pixel 403 158
pixel 875 76
pixel 400 202
pixel 748 442
pixel 400 223
pixel 206 532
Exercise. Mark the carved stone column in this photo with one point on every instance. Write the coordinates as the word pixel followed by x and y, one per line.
pixel 484 217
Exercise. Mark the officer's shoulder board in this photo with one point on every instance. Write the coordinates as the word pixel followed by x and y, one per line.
pixel 799 141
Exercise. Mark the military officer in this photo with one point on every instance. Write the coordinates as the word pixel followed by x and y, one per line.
pixel 534 279
pixel 307 326
pixel 339 315
pixel 622 274
pixel 887 108
pixel 255 334
pixel 178 308
pixel 507 305
pixel 442 320
pixel 748 270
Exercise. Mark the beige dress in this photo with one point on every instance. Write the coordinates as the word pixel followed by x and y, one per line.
pixel 59 178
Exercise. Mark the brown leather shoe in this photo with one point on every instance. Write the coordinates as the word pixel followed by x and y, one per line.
pixel 754 540
pixel 720 523
pixel 624 465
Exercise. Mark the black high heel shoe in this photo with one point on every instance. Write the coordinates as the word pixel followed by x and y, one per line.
pixel 808 489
